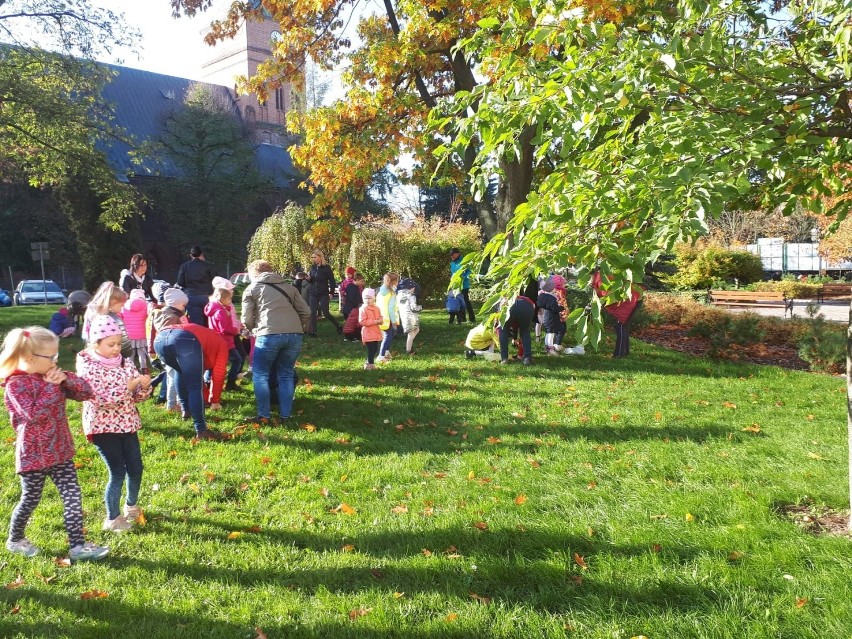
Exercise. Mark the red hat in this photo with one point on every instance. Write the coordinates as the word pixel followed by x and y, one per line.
pixel 350 271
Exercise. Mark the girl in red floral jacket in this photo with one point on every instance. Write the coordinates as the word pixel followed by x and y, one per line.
pixel 35 393
pixel 110 418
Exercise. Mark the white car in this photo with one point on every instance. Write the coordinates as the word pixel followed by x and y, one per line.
pixel 38 292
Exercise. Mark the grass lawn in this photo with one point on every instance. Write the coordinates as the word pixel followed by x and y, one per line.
pixel 441 497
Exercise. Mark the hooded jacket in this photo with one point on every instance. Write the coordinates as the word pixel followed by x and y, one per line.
pixel 221 321
pixel 134 313
pixel 387 303
pixel 267 311
pixel 409 310
pixel 113 407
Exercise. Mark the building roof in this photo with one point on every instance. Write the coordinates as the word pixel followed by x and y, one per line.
pixel 141 98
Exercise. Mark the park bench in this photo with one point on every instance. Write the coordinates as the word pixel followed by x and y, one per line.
pixel 767 299
pixel 834 292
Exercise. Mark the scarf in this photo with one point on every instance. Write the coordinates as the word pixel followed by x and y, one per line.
pixel 109 362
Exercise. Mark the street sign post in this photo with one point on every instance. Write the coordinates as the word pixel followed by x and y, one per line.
pixel 40 254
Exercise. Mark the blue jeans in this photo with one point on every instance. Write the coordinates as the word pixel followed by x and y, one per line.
pixel 280 351
pixel 122 456
pixel 195 309
pixel 386 341
pixel 236 362
pixel 182 351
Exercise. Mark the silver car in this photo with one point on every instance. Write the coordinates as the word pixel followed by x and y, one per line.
pixel 38 292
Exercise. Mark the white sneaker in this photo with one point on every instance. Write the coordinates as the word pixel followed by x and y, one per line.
pixel 88 552
pixel 131 513
pixel 119 524
pixel 578 350
pixel 22 547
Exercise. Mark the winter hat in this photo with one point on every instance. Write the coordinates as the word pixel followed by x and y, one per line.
pixel 368 292
pixel 548 285
pixel 137 294
pixel 174 296
pixel 350 271
pixel 158 289
pixel 558 281
pixel 103 326
pixel 221 282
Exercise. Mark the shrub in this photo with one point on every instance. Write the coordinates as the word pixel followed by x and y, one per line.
pixel 703 266
pixel 823 346
pixel 726 330
pixel 790 288
pixel 419 249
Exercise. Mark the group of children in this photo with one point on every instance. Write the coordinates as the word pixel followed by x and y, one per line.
pixel 119 330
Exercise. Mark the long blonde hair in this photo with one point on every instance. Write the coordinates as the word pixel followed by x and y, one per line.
pixel 220 294
pixel 321 256
pixel 23 342
pixel 107 294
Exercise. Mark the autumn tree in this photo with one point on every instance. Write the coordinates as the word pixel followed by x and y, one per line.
pixel 406 60
pixel 52 118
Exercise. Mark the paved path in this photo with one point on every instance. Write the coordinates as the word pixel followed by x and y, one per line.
pixel 833 311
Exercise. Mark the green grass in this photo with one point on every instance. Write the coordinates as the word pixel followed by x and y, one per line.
pixel 640 468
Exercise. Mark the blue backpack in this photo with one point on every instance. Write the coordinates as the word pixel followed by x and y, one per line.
pixel 454 303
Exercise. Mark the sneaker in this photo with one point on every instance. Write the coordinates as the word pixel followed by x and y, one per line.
pixel 527 361
pixel 131 513
pixel 88 552
pixel 119 524
pixel 469 353
pixel 578 350
pixel 212 435
pixel 22 547
pixel 369 367
pixel 504 361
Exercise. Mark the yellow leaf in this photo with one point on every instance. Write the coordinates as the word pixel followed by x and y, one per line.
pixel 689 517
pixel 520 500
pixel 481 525
pixel 346 509
pixel 235 534
pixel 578 558
pixel 494 440
pixel 398 595
pixel 172 454
pixel 754 428
pixel 94 594
pixel 194 488
pixel 426 552
pixel 815 456
pixel 400 509
pixel 348 548
pixel 801 602
pixel 452 616
pixel 140 520
pixel 344 477
pixel 730 405
pixel 471 475
pixel 209 476
pixel 309 427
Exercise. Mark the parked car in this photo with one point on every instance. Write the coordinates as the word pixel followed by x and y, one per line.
pixel 240 278
pixel 37 291
pixel 5 300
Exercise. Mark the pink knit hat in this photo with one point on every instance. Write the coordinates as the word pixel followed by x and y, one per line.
pixel 103 326
pixel 368 292
pixel 558 281
pixel 137 294
pixel 221 282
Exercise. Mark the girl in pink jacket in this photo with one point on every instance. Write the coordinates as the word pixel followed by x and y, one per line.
pixel 370 319
pixel 220 318
pixel 134 314
pixel 111 420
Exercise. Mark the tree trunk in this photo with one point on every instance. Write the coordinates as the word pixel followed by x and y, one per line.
pixel 849 405
pixel 516 180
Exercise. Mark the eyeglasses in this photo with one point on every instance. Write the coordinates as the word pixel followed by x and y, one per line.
pixel 53 358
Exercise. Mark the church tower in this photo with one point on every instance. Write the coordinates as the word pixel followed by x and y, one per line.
pixel 241 56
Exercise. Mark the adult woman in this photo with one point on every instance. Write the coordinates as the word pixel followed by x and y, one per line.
pixel 195 277
pixel 189 349
pixel 321 289
pixel 137 276
pixel 278 315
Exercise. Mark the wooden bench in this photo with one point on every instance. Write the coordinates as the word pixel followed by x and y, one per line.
pixel 767 299
pixel 834 292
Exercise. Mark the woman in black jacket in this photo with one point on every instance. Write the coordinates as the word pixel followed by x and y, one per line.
pixel 322 287
pixel 137 276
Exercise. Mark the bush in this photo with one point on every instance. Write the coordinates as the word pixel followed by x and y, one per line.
pixel 419 249
pixel 705 266
pixel 726 330
pixel 790 288
pixel 823 346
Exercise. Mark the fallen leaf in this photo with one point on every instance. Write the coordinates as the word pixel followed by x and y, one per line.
pixel 480 599
pixel 235 534
pixel 735 555
pixel 344 477
pixel 689 517
pixel 398 595
pixel 348 548
pixel 259 634
pixel 815 456
pixel 94 594
pixel 452 616
pixel 532 462
pixel 730 405
pixel 520 500
pixel 481 525
pixel 15 610
pixel 16 584
pixel 309 427
pixel 194 488
pixel 656 548
pixel 48 580
pixel 801 602
pixel 62 562
pixel 342 440
pixel 378 574
pixel 592 484
pixel 494 440
pixel 346 509
pixel 141 520
pixel 754 428
pixel 324 492
pixel 399 510
pixel 360 612
pixel 471 475
pixel 578 558
pixel 426 552
pixel 577 579
pixel 210 477
pixel 265 460
pixel 253 529
pixel 658 416
pixel 810 418
pixel 172 454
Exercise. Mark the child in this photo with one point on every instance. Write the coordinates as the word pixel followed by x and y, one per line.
pixel 551 310
pixel 348 278
pixel 220 319
pixel 481 340
pixel 562 297
pixel 352 301
pixel 242 341
pixel 108 300
pixel 302 284
pixel 387 302
pixel 370 319
pixel 134 314
pixel 409 311
pixel 35 394
pixel 61 323
pixel 111 420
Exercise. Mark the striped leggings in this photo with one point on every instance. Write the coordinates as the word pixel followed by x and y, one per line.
pixel 64 477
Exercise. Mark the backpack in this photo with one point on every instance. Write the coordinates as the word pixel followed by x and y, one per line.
pixel 454 302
